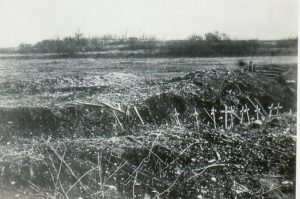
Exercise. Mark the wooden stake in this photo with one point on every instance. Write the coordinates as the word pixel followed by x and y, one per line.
pixel 115 115
pixel 213 110
pixel 208 114
pixel 195 114
pixel 127 112
pixel 231 117
pixel 138 114
pixel 177 118
pixel 242 115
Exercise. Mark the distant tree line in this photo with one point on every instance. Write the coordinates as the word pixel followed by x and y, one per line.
pixel 210 44
pixel 220 44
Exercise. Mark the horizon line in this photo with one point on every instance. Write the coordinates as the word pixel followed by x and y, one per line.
pixel 141 35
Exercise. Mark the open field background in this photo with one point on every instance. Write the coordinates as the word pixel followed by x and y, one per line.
pixel 41 81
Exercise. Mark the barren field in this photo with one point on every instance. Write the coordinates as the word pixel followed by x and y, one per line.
pixel 148 128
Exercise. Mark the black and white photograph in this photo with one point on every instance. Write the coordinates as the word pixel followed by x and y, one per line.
pixel 148 99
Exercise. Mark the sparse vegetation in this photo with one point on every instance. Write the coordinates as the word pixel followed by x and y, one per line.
pixel 210 45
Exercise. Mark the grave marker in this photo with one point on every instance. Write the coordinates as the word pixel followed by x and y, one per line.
pixel 247 113
pixel 277 108
pixel 257 110
pixel 271 108
pixel 226 118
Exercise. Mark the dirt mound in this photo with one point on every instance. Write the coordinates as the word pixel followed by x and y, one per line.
pixel 156 103
pixel 167 161
pixel 215 88
pixel 159 151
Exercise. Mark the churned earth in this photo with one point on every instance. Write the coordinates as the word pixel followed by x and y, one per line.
pixel 120 134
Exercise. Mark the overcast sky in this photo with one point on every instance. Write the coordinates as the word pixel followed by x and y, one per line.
pixel 32 20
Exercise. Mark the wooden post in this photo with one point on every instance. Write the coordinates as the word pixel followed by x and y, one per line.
pixel 177 118
pixel 231 116
pixel 213 111
pixel 195 114
pixel 251 67
pixel 221 119
pixel 242 115
pixel 127 112
pixel 127 116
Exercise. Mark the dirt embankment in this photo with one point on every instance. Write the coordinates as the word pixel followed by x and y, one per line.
pixel 155 102
pixel 141 149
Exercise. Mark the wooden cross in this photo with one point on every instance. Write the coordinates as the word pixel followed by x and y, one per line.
pixel 195 114
pixel 225 112
pixel 213 111
pixel 247 113
pixel 257 110
pixel 177 118
pixel 271 109
pixel 278 107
